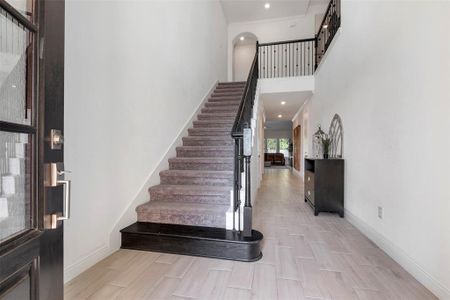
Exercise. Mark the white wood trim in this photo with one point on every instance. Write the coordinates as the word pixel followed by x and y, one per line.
pixel 86 262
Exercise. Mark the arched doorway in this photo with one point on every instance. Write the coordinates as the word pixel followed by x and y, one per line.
pixel 244 48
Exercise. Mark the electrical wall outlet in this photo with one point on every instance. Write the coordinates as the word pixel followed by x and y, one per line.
pixel 380 212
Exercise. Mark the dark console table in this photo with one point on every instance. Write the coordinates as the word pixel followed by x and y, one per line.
pixel 324 185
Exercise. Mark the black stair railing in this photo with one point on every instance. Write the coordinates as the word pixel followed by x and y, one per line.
pixel 241 133
pixel 328 29
pixel 272 60
pixel 287 58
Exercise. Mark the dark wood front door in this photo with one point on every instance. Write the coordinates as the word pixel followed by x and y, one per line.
pixel 34 196
pixel 297 147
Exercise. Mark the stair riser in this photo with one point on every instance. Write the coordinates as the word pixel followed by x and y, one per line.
pixel 225 99
pixel 230 86
pixel 225 125
pixel 217 116
pixel 232 83
pixel 224 142
pixel 184 180
pixel 220 109
pixel 183 219
pixel 228 91
pixel 205 153
pixel 228 104
pixel 192 240
pixel 201 166
pixel 216 199
pixel 201 132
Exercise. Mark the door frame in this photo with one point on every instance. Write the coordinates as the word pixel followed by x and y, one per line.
pixel 297 143
pixel 37 253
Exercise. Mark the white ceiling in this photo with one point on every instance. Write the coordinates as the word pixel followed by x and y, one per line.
pixel 273 106
pixel 252 10
pixel 278 125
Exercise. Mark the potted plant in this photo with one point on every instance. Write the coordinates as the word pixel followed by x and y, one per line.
pixel 326 143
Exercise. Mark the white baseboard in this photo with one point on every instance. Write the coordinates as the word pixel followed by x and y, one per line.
pixel 400 256
pixel 86 262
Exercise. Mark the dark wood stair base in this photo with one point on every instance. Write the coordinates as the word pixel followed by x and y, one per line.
pixel 192 240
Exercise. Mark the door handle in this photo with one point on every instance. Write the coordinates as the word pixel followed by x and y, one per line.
pixel 66 186
pixel 53 177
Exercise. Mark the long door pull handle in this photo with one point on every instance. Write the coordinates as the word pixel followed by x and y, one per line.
pixel 66 185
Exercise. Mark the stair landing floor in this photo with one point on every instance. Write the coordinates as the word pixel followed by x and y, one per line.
pixel 305 257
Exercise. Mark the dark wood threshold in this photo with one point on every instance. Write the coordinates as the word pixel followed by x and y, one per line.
pixel 192 240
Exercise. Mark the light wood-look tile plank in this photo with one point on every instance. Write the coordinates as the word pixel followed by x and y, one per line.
pixel 146 282
pixel 242 275
pixel 215 285
pixel 106 292
pixel 164 289
pixel 286 266
pixel 289 290
pixel 237 294
pixel 264 282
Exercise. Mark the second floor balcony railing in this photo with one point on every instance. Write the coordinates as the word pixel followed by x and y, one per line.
pixel 299 57
pixel 287 58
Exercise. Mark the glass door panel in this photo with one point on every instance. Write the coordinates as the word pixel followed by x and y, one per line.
pixel 284 147
pixel 15 183
pixel 25 7
pixel 16 69
pixel 272 145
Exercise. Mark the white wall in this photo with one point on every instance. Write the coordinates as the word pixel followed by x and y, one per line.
pixel 272 30
pixel 388 77
pixel 135 73
pixel 243 54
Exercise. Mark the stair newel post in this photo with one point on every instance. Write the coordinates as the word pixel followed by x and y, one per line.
pixel 236 181
pixel 247 152
pixel 239 183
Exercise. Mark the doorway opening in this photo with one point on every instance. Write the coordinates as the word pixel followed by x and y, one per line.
pixel 244 49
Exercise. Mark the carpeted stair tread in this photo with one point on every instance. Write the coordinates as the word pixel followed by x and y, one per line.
pixel 201 163
pixel 207 141
pixel 197 188
pixel 207 131
pixel 225 123
pixel 228 83
pixel 221 98
pixel 191 189
pixel 230 103
pixel 217 116
pixel 183 213
pixel 200 177
pixel 205 194
pixel 220 109
pixel 229 91
pixel 205 151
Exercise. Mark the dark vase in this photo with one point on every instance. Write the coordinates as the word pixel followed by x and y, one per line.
pixel 325 155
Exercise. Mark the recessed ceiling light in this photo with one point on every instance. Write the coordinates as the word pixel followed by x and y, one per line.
pixel 280 116
pixel 267 5
pixel 283 102
pixel 325 26
pixel 242 38
pixel 13 86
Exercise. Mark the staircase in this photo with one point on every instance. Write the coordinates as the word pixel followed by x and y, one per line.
pixel 197 187
pixel 186 213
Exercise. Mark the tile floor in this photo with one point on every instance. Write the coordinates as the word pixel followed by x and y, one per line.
pixel 304 257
